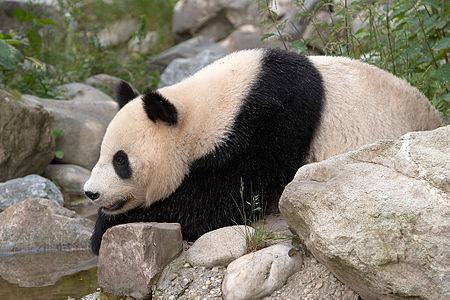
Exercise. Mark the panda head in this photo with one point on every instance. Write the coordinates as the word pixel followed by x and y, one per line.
pixel 139 161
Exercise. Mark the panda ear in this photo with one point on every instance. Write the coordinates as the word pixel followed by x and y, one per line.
pixel 124 93
pixel 159 108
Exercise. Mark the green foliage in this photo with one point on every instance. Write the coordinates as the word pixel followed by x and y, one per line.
pixel 409 38
pixel 252 211
pixel 47 52
pixel 57 133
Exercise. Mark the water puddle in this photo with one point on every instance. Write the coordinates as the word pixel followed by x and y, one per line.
pixel 48 275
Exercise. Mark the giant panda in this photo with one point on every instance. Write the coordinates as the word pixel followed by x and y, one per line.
pixel 245 123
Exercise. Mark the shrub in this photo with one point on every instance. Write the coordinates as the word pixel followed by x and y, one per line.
pixel 408 38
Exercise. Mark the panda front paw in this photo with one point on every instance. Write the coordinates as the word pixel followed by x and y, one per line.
pixel 101 225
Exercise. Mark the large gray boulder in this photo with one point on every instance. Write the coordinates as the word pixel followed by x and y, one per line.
pixel 378 217
pixel 132 255
pixel 214 19
pixel 182 68
pixel 26 145
pixel 41 224
pixel 187 49
pixel 83 118
pixel 32 186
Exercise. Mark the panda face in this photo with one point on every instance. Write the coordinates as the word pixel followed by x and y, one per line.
pixel 139 162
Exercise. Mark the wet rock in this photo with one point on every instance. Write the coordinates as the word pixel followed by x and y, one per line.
pixel 181 68
pixel 215 19
pixel 26 144
pixel 378 217
pixel 31 186
pixel 186 49
pixel 41 224
pixel 117 32
pixel 44 268
pixel 220 247
pixel 260 273
pixel 132 255
pixel 83 119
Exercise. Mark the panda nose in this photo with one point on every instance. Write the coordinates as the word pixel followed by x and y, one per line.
pixel 92 195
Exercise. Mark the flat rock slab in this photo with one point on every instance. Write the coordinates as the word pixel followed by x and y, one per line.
pixel 132 255
pixel 31 186
pixel 44 268
pixel 41 224
pixel 220 247
pixel 379 217
pixel 260 273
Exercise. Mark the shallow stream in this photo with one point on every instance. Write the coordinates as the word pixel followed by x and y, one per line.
pixel 48 275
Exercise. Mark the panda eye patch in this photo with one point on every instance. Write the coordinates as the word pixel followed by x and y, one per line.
pixel 121 164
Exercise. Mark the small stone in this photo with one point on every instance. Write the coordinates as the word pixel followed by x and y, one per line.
pixel 219 247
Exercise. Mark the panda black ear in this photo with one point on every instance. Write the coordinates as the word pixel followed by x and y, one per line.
pixel 159 108
pixel 124 93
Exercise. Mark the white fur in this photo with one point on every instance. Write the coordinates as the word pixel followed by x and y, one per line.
pixel 364 104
